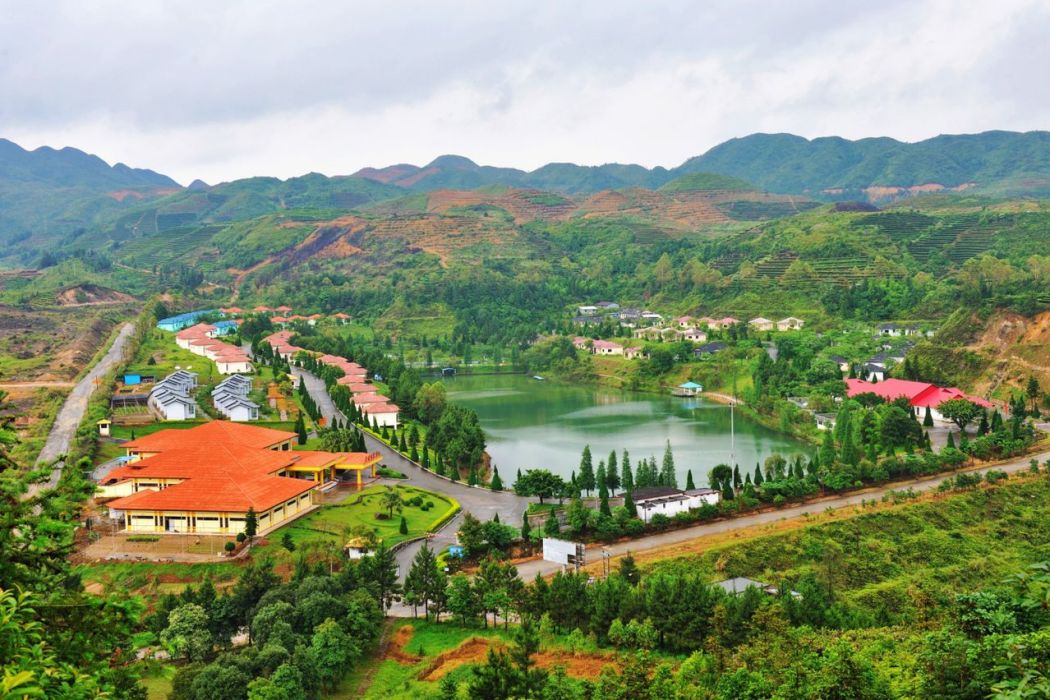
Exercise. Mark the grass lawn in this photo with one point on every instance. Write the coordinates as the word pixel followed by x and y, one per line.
pixel 160 345
pixel 330 522
pixel 157 681
pixel 134 576
pixel 124 432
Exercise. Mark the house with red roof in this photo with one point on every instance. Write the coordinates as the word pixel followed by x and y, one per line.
pixel 921 395
pixel 283 309
pixel 606 347
pixel 205 479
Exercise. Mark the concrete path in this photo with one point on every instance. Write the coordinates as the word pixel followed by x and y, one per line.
pixel 529 569
pixel 68 419
pixel 482 503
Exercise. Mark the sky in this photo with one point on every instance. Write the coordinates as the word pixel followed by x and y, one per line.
pixel 231 89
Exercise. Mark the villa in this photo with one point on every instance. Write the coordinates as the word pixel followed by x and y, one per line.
pixel 920 395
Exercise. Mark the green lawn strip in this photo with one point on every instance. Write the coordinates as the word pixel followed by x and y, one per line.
pixel 167 356
pixel 124 432
pixel 330 522
pixel 131 576
pixel 157 680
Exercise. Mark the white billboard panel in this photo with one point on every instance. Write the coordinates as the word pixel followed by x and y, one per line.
pixel 562 551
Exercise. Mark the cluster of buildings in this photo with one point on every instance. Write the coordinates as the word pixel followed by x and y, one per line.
pixel 172 397
pixel 791 323
pixel 921 395
pixel 589 314
pixel 230 398
pixel 282 315
pixel 203 339
pixel 363 394
pixel 206 479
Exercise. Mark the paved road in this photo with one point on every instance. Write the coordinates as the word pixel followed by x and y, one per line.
pixel 69 416
pixel 482 503
pixel 529 569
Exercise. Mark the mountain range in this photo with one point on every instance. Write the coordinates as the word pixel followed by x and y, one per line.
pixel 50 198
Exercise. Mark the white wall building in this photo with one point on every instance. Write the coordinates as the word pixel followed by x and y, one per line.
pixel 667 501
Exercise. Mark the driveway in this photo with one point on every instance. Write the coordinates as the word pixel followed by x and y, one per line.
pixel 71 414
pixel 482 503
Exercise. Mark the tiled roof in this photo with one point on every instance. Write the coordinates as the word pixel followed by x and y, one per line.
pixel 379 408
pixel 210 433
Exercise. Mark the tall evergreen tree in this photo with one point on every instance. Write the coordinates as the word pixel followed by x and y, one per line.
pixel 300 429
pixel 737 481
pixel 612 473
pixel 668 476
pixel 496 484
pixel 927 420
pixel 758 475
pixel 689 485
pixel 626 476
pixel 586 478
pixel 628 504
pixel 551 528
pixel 600 481
pixel 827 450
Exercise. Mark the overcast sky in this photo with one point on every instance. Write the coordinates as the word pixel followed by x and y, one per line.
pixel 227 89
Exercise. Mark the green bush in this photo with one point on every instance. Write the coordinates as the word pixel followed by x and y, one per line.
pixel 144 538
pixel 229 546
pixel 241 537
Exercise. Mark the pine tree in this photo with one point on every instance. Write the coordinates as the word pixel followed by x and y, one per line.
pixel 453 472
pixel 668 477
pixel 951 440
pixel 603 505
pixel 496 484
pixel 402 446
pixel 628 504
pixel 626 477
pixel 403 529
pixel 737 481
pixel 982 428
pixel 689 485
pixel 849 452
pixel 758 475
pixel 927 420
pixel 472 476
pixel 827 450
pixel 612 473
pixel 426 458
pixel 439 465
pixel 600 481
pixel 586 480
pixel 300 429
pixel 526 529
pixel 551 528
pixel 413 454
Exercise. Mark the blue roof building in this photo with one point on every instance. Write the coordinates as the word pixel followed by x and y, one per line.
pixel 177 323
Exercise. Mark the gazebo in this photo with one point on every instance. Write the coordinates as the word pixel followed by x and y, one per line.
pixel 688 389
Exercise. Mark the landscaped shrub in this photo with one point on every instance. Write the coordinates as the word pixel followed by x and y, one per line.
pixel 229 546
pixel 144 538
pixel 241 537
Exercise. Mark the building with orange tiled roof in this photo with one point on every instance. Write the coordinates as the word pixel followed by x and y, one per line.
pixel 383 413
pixel 205 479
pixel 283 309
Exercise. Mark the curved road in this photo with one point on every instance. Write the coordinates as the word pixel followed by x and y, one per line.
pixel 482 503
pixel 69 416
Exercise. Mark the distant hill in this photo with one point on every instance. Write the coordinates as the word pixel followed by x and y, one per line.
pixel 61 193
pixel 832 168
pixel 837 167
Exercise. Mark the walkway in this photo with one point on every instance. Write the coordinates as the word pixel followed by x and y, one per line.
pixel 71 414
pixel 482 503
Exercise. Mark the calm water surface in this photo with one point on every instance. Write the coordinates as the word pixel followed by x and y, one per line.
pixel 545 424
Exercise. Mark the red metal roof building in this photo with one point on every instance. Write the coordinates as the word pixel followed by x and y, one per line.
pixel 921 395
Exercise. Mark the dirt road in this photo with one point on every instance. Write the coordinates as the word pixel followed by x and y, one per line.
pixel 72 412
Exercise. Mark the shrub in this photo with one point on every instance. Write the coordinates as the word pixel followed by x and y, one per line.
pixel 144 538
pixel 634 527
pixel 995 476
pixel 659 521
pixel 229 546
pixel 779 500
pixel 241 537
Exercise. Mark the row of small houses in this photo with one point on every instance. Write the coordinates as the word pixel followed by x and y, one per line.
pixel 609 347
pixel 203 339
pixel 172 397
pixel 363 394
pixel 230 398
pixel 280 315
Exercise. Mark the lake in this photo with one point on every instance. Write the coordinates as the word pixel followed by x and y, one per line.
pixel 545 424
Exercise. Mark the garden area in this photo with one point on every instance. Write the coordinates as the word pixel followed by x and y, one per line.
pixel 389 514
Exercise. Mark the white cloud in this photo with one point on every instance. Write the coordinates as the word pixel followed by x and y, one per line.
pixel 220 91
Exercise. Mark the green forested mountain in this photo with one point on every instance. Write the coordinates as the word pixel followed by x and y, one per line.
pixel 832 167
pixel 787 163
